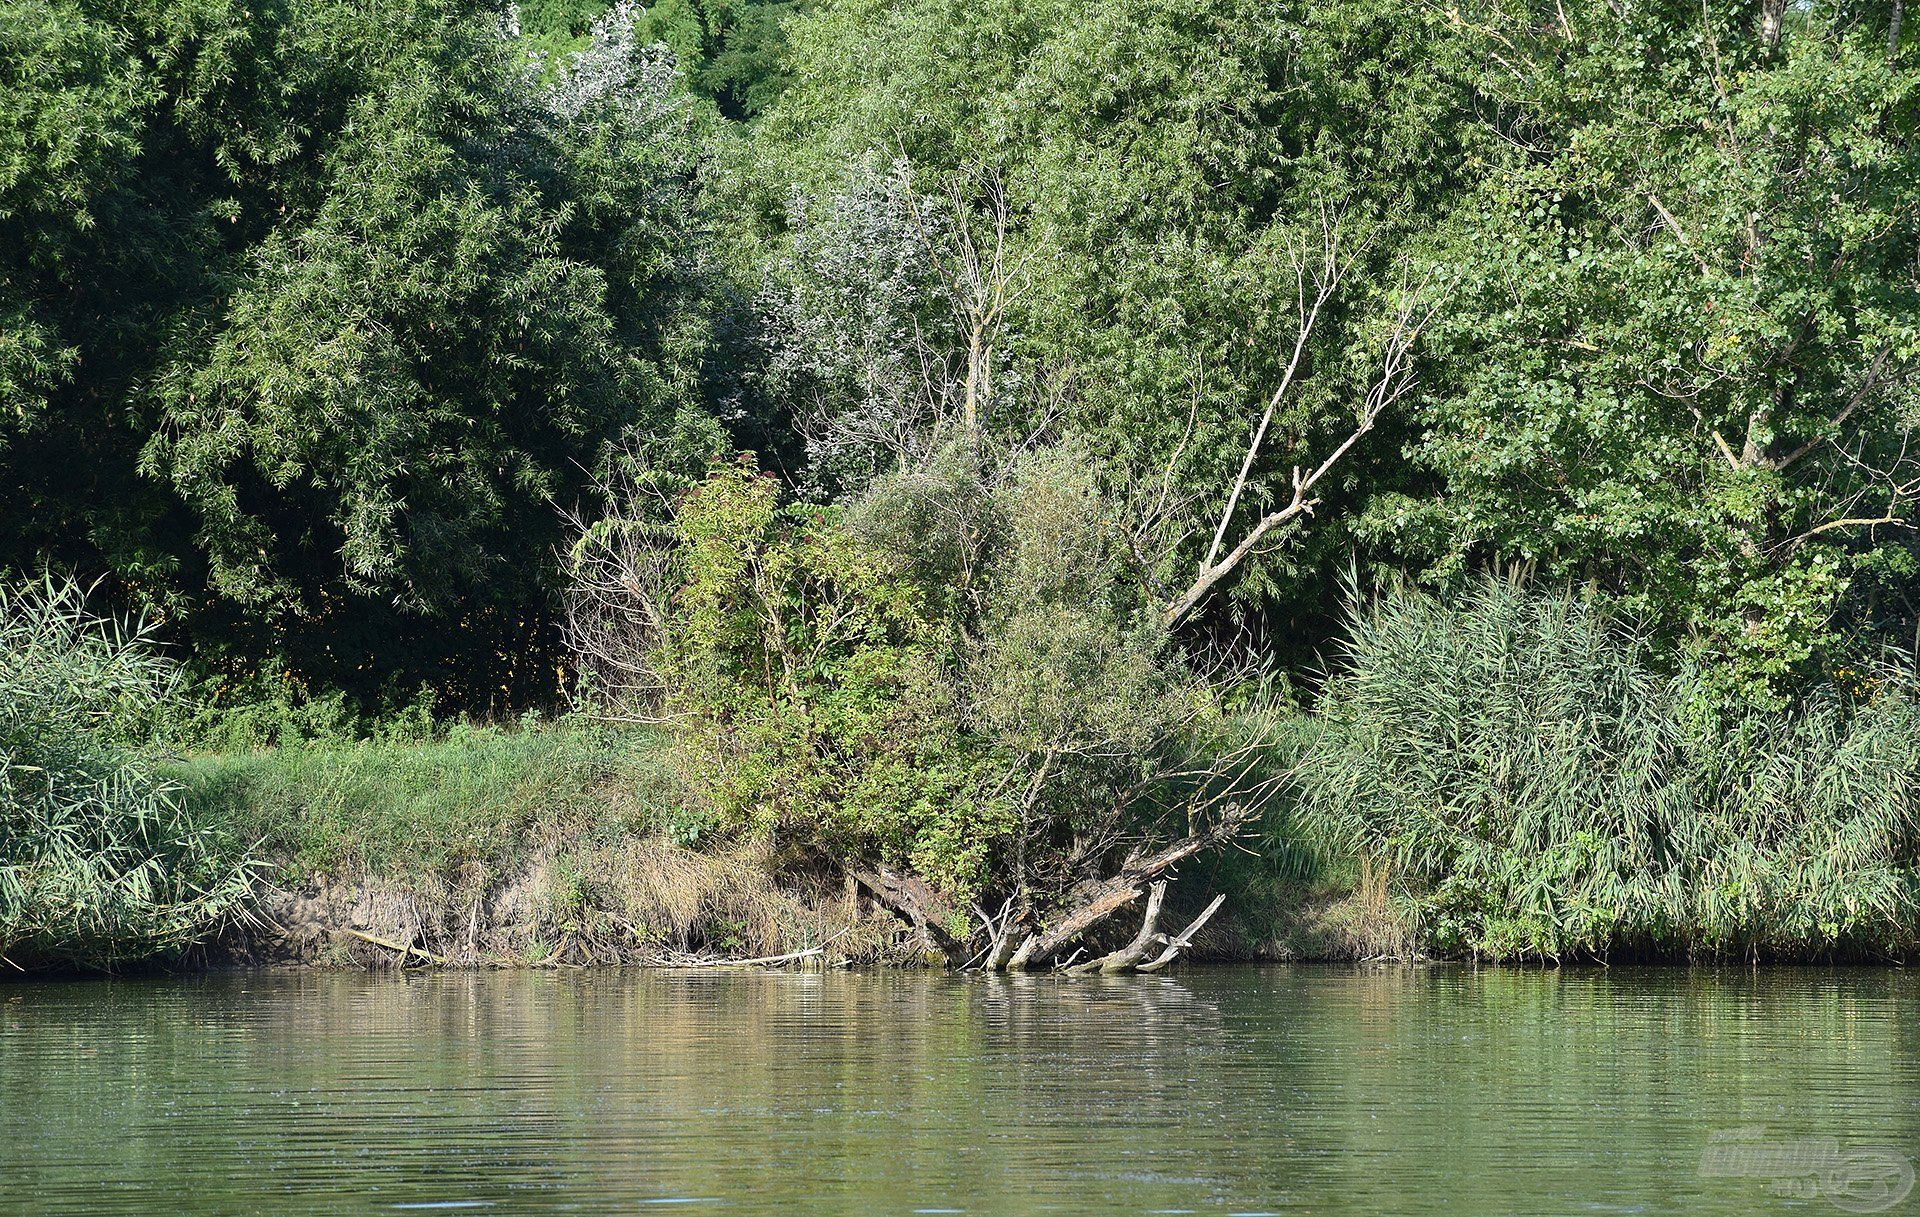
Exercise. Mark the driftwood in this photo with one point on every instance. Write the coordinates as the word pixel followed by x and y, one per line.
pixel 1127 957
pixel 1133 956
pixel 1012 945
pixel 402 949
pixel 910 897
pixel 1179 942
pixel 1094 902
pixel 762 961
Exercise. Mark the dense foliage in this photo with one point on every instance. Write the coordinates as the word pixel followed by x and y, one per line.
pixel 1676 246
pixel 315 312
pixel 1681 360
pixel 336 307
pixel 953 675
pixel 1075 347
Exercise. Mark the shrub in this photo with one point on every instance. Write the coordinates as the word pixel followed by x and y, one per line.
pixel 100 862
pixel 1538 783
pixel 955 675
pixel 803 680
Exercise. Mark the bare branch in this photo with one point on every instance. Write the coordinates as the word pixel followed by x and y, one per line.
pixel 1326 279
pixel 1851 522
pixel 1414 312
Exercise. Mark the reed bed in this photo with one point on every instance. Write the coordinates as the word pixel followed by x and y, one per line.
pixel 101 861
pixel 1537 780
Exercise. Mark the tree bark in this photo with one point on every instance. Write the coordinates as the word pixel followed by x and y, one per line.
pixel 1773 16
pixel 1179 943
pixel 910 897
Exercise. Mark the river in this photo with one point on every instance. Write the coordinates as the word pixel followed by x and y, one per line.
pixel 1225 1090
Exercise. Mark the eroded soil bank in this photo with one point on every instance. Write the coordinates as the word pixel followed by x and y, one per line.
pixel 650 902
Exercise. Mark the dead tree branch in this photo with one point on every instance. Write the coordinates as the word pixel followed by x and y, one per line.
pixel 1414 310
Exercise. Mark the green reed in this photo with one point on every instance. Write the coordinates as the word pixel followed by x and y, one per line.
pixel 1538 782
pixel 100 861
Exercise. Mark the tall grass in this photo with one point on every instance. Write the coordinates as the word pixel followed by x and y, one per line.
pixel 1536 784
pixel 100 862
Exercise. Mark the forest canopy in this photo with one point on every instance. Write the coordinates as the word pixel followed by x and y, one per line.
pixel 318 322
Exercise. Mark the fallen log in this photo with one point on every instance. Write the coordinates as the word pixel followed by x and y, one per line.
pixel 1124 959
pixel 762 961
pixel 1041 946
pixel 402 949
pixel 1180 942
pixel 1009 946
pixel 1101 899
pixel 1133 956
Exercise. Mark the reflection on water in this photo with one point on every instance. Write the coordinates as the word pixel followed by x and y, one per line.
pixel 1215 1091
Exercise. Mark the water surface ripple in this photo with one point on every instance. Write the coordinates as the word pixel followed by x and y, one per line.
pixel 1222 1091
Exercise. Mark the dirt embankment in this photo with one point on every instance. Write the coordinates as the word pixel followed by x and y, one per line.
pixel 639 902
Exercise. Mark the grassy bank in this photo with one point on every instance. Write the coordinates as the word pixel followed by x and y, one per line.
pixel 1434 825
pixel 1509 775
pixel 427 809
pixel 487 845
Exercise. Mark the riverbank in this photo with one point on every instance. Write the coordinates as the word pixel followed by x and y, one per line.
pixel 552 844
pixel 555 844
pixel 651 903
pixel 488 846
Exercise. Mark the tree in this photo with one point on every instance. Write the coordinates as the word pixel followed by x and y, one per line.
pixel 70 99
pixel 1136 184
pixel 731 50
pixel 1317 280
pixel 1680 363
pixel 853 350
pixel 359 295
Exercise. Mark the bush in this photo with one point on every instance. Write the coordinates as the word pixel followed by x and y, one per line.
pixel 100 862
pixel 1538 783
pixel 802 671
pixel 955 675
pixel 222 713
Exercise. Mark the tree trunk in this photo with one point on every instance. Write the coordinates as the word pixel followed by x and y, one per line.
pixel 1773 16
pixel 970 407
pixel 1124 959
pixel 910 897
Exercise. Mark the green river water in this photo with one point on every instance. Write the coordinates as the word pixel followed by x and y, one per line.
pixel 1226 1090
